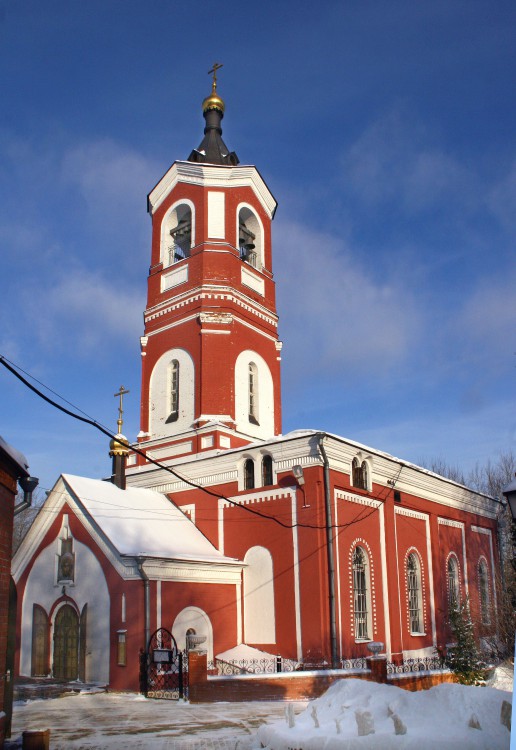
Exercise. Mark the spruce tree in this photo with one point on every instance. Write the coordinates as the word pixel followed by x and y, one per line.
pixel 463 657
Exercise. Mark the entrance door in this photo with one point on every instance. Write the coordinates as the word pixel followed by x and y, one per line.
pixel 66 644
pixel 40 642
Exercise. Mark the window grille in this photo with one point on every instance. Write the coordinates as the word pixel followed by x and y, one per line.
pixel 483 592
pixel 182 237
pixel 360 594
pixel 253 393
pixel 359 474
pixel 414 593
pixel 173 391
pixel 267 476
pixel 453 583
pixel 249 474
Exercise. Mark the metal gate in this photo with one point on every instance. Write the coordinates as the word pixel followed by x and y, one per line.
pixel 163 671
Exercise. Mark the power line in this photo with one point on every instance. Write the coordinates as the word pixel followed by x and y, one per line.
pixel 13 368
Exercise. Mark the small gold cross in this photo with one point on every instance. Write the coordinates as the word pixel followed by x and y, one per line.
pixel 216 66
pixel 121 393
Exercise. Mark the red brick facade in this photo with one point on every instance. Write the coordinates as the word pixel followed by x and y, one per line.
pixel 10 471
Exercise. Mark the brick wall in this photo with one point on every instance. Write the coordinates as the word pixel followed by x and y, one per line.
pixel 294 686
pixel 7 494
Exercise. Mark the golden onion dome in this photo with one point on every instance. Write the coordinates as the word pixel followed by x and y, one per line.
pixel 119 446
pixel 213 101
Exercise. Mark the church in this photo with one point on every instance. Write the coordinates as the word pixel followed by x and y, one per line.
pixel 305 545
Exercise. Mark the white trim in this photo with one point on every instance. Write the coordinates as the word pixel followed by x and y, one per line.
pixel 212 176
pixel 385 584
pixel 411 513
pixel 158 604
pixel 465 558
pixel 488 532
pixel 174 278
pixel 360 499
pixel 481 530
pixel 213 293
pixel 221 505
pixel 402 630
pixel 252 280
pixel 462 526
pixel 165 237
pixel 449 522
pixel 337 549
pixel 216 205
pixel 297 588
pixel 238 591
pixel 431 581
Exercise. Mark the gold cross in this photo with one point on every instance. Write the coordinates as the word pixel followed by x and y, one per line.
pixel 216 66
pixel 121 393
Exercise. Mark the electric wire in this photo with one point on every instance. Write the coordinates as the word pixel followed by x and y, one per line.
pixel 13 368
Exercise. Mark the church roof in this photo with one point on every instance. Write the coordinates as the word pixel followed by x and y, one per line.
pixel 141 522
pixel 212 149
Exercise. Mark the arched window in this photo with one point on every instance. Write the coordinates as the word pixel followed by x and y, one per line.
pixel 259 610
pixel 267 475
pixel 361 598
pixel 483 592
pixel 359 474
pixel 180 234
pixel 249 474
pixel 173 391
pixel 414 593
pixel 253 393
pixel 453 583
pixel 250 238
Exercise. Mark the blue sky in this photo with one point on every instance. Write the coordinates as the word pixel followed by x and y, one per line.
pixel 386 132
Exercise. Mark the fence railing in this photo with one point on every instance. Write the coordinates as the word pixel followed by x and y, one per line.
pixel 424 664
pixel 278 664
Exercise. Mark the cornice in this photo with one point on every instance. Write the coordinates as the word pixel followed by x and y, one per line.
pixel 302 449
pixel 212 176
pixel 205 292
pixel 183 571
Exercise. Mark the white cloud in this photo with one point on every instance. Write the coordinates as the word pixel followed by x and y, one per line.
pixel 333 313
pixel 393 160
pixel 486 326
pixel 502 199
pixel 83 311
pixel 113 182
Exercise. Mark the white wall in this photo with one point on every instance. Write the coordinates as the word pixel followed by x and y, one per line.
pixel 265 428
pixel 89 588
pixel 159 394
pixel 259 610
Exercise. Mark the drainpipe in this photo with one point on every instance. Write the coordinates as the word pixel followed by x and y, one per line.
pixel 146 587
pixel 329 550
pixel 28 485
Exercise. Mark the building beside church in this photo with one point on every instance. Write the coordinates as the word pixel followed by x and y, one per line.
pixel 14 469
pixel 307 545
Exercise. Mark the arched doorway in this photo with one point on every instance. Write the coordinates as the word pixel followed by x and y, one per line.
pixel 66 644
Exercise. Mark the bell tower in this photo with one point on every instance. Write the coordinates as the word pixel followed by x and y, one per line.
pixel 210 351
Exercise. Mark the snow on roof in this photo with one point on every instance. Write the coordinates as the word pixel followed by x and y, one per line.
pixel 141 522
pixel 15 455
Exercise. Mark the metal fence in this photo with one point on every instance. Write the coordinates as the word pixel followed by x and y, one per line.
pixel 278 664
pixel 425 664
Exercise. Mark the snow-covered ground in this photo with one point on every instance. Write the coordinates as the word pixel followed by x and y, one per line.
pixel 358 715
pixel 436 719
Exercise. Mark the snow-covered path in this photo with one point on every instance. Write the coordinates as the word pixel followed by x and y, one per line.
pixel 128 721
